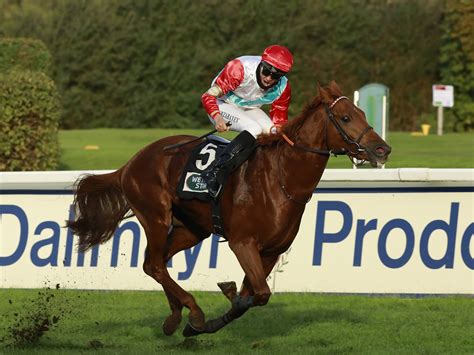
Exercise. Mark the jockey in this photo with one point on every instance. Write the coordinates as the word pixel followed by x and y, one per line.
pixel 236 95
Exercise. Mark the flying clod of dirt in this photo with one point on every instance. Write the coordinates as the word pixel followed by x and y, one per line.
pixel 34 319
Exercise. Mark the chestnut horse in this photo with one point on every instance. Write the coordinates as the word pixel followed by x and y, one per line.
pixel 261 204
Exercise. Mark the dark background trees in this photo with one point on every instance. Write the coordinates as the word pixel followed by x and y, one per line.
pixel 457 60
pixel 143 63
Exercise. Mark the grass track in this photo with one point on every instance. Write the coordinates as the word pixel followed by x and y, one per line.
pixel 117 146
pixel 130 322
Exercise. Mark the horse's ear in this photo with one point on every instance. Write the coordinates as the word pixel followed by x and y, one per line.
pixel 324 94
pixel 333 84
pixel 335 88
pixel 319 90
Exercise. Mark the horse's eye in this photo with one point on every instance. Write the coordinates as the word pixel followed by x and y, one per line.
pixel 345 119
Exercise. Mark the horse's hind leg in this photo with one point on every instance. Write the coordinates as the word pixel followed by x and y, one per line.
pixel 155 266
pixel 180 238
pixel 172 322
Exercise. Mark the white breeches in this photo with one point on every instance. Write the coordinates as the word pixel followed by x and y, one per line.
pixel 254 120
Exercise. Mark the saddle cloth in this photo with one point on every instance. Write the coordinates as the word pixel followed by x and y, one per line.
pixel 191 184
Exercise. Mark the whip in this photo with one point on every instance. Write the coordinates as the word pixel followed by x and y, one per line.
pixel 178 145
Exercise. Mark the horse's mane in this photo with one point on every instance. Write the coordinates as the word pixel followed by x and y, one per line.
pixel 325 95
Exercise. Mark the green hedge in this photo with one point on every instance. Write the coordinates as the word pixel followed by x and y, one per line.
pixel 29 108
pixel 24 54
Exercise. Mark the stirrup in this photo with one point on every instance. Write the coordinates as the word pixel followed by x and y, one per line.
pixel 215 194
pixel 210 177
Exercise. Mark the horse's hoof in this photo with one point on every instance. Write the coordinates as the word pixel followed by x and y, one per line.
pixel 197 320
pixel 189 331
pixel 171 324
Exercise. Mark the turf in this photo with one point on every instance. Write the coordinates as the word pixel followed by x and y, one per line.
pixel 117 146
pixel 130 322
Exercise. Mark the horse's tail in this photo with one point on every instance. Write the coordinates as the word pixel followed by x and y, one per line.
pixel 99 205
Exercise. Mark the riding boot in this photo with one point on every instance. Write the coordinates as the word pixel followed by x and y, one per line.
pixel 234 154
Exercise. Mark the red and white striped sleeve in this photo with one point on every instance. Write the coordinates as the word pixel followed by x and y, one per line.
pixel 279 109
pixel 228 80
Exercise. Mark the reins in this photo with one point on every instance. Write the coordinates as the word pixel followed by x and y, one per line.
pixel 280 180
pixel 334 152
pixel 342 151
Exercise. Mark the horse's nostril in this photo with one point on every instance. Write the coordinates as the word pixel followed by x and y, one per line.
pixel 382 150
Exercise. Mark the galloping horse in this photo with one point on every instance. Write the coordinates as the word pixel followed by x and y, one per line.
pixel 261 205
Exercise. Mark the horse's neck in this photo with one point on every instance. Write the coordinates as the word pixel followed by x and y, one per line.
pixel 312 132
pixel 303 170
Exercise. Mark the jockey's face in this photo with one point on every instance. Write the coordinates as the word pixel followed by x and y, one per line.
pixel 269 75
pixel 267 81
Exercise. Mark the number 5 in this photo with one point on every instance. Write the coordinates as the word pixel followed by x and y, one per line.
pixel 209 149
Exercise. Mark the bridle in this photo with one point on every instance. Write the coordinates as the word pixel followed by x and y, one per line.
pixel 352 154
pixel 334 152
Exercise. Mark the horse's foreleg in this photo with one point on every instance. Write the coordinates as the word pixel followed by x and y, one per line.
pixel 240 302
pixel 268 264
pixel 256 272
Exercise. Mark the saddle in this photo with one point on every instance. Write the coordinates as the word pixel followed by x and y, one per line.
pixel 191 184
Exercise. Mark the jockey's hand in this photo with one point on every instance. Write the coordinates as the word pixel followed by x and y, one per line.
pixel 275 129
pixel 220 125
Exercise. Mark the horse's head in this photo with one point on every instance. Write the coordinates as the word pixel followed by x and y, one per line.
pixel 347 130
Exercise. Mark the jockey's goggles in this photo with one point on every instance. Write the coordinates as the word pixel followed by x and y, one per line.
pixel 270 70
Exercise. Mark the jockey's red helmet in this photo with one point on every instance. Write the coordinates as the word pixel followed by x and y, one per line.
pixel 278 56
